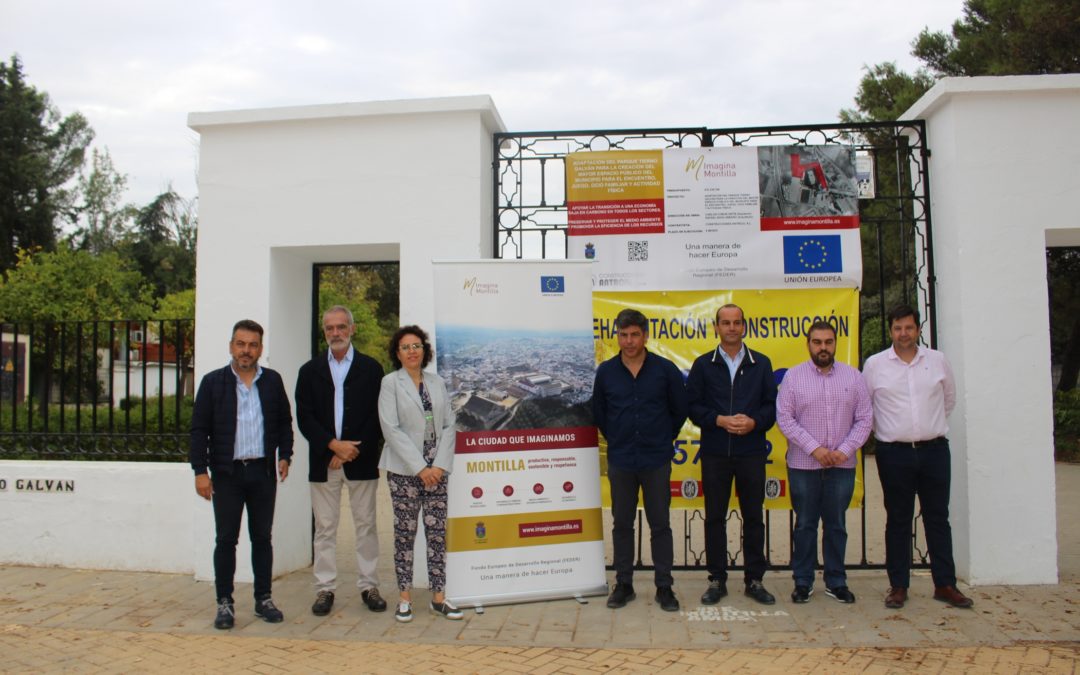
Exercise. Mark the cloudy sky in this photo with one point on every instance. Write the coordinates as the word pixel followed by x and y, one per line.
pixel 136 69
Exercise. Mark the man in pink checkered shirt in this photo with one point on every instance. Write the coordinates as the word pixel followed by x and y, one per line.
pixel 824 410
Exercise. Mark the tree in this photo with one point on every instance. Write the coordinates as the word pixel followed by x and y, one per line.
pixel 885 92
pixel 177 310
pixel 68 285
pixel 162 243
pixel 179 305
pixel 55 289
pixel 103 218
pixel 1006 37
pixel 994 37
pixel 40 152
pixel 370 291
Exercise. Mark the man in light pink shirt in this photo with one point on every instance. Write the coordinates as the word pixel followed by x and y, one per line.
pixel 824 411
pixel 913 392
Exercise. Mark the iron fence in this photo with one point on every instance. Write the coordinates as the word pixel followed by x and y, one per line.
pixel 530 221
pixel 96 390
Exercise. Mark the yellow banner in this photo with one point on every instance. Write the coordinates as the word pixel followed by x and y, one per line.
pixel 614 175
pixel 514 530
pixel 681 329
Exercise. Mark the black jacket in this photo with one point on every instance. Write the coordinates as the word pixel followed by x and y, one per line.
pixel 213 422
pixel 712 392
pixel 359 422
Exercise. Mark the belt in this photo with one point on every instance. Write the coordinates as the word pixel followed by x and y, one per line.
pixel 250 460
pixel 913 444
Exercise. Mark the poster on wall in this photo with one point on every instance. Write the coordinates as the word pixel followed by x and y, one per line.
pixel 514 344
pixel 680 329
pixel 705 218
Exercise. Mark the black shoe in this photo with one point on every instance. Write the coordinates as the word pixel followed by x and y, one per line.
pixel 373 600
pixel 715 591
pixel 324 602
pixel 841 593
pixel 755 590
pixel 266 610
pixel 622 594
pixel 226 614
pixel 666 599
pixel 802 594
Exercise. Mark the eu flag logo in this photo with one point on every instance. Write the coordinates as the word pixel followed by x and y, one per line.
pixel 552 284
pixel 816 253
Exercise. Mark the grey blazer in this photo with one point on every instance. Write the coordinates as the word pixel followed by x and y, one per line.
pixel 401 415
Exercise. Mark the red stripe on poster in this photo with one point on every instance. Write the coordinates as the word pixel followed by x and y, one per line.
pixel 624 216
pixel 515 440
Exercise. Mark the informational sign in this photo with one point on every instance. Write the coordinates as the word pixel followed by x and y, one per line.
pixel 514 344
pixel 687 219
pixel 677 233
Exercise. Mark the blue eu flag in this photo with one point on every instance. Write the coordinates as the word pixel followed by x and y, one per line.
pixel 812 254
pixel 552 284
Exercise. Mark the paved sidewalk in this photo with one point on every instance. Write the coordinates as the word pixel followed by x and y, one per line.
pixel 58 619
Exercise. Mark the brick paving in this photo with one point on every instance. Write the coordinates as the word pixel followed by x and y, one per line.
pixel 42 649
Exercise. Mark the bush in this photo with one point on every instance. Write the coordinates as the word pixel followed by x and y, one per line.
pixel 1067 425
pixel 97 433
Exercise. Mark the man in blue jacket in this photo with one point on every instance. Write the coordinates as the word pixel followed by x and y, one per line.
pixel 732 396
pixel 240 421
pixel 639 404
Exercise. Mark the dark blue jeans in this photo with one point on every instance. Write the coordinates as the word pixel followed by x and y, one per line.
pixel 822 495
pixel 905 472
pixel 717 472
pixel 249 485
pixel 655 487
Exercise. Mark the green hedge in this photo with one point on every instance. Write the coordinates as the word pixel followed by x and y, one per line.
pixel 164 437
pixel 128 415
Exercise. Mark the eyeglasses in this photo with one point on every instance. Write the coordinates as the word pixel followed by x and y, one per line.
pixel 411 348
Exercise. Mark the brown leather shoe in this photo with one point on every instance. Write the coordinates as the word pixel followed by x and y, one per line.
pixel 896 598
pixel 954 597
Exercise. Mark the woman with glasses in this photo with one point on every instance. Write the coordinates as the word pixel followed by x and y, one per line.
pixel 418 424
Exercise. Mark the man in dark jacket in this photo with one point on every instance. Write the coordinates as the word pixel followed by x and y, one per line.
pixel 639 404
pixel 732 396
pixel 337 409
pixel 241 419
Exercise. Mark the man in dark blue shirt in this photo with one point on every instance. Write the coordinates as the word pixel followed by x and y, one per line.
pixel 639 404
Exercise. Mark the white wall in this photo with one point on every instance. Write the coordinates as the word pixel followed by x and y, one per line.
pixel 281 189
pixel 120 516
pixel 1004 181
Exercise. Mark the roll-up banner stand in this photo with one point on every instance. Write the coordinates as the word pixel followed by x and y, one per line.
pixel 514 342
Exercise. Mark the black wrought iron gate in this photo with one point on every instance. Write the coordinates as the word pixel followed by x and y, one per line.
pixel 530 221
